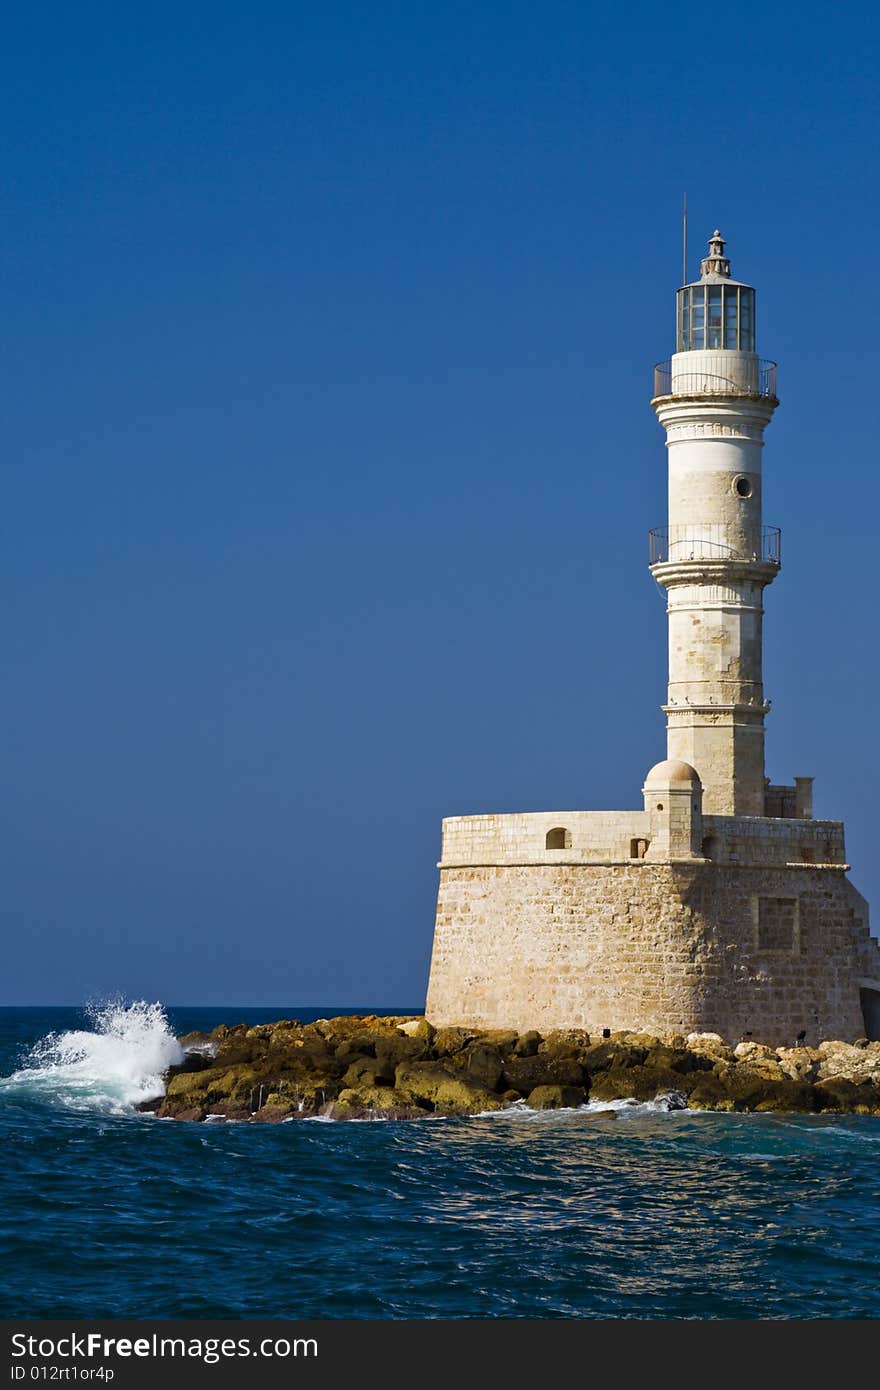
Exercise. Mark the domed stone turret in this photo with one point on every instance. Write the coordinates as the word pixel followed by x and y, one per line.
pixel 673 796
pixel 670 771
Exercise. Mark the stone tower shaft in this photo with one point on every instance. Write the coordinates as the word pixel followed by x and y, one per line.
pixel 714 398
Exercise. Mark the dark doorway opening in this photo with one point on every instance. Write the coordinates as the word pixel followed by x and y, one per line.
pixel 870 1002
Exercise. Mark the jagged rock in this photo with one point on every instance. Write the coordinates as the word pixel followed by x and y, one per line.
pixel 555 1097
pixel 753 1052
pixel 744 1088
pixel 484 1064
pixel 799 1063
pixel 418 1028
pixel 368 1071
pixel 504 1039
pixel 632 1038
pixel 273 1114
pixel 366 1102
pixel 192 1061
pixel 403 1067
pixel 360 1045
pixel 602 1056
pixel 445 1089
pixel 565 1042
pixel 635 1083
pixel 672 1100
pixel 187 1083
pixel 204 1043
pixel 240 1048
pixel 448 1041
pixel 710 1045
pixel 523 1074
pixel 527 1044
pixel 395 1047
pixel 679 1059
pixel 838 1093
pixel 849 1061
pixel 764 1064
pixel 709 1093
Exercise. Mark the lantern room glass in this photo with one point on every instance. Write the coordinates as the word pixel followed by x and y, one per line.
pixel 715 316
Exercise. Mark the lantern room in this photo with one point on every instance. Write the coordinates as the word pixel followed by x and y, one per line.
pixel 715 311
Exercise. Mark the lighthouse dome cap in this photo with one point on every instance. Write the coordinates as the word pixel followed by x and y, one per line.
pixel 672 770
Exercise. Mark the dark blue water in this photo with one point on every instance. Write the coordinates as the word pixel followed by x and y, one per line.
pixel 109 1213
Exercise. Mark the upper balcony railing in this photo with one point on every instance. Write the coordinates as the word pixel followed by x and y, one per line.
pixel 715 541
pixel 755 378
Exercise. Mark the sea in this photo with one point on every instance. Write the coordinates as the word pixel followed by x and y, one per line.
pixel 108 1212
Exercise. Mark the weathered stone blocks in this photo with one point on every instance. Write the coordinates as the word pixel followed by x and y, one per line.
pixel 663 947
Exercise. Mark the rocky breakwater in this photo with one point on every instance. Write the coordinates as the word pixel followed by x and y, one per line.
pixel 357 1068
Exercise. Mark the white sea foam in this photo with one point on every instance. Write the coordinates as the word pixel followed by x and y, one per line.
pixel 660 1105
pixel 114 1067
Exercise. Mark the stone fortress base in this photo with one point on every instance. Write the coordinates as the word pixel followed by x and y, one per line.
pixel 662 920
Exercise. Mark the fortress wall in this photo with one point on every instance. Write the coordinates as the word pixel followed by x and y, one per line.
pixel 522 838
pixel 610 835
pixel 766 840
pixel 657 947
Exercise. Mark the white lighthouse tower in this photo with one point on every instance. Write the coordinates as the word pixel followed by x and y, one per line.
pixel 715 398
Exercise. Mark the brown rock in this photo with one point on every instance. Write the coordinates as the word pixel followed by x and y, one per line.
pixel 397 1047
pixel 565 1042
pixel 754 1052
pixel 748 1089
pixel 448 1041
pixel 484 1064
pixel 442 1087
pixel 637 1083
pixel 556 1097
pixel 847 1097
pixel 678 1059
pixel 709 1045
pixel 602 1056
pixel 799 1063
pixel 368 1071
pixel 523 1074
pixel 709 1093
pixel 849 1061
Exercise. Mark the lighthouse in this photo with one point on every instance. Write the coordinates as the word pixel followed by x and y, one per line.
pixel 714 559
pixel 720 904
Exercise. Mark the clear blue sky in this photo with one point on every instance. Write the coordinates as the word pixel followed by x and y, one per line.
pixel 328 463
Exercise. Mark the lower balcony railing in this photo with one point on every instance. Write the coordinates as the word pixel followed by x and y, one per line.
pixel 750 378
pixel 715 541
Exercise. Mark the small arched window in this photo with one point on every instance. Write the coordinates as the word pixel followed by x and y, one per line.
pixel 558 838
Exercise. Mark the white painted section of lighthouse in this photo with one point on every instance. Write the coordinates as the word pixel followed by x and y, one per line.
pixel 714 399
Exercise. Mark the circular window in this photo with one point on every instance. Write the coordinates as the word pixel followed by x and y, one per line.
pixel 659 805
pixel 742 486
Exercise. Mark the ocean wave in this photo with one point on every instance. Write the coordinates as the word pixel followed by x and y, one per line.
pixel 112 1068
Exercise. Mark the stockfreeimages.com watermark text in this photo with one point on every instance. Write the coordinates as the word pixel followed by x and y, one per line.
pixel 96 1345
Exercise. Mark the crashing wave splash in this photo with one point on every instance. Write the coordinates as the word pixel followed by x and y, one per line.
pixel 113 1068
